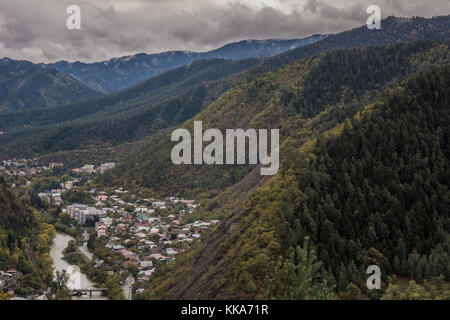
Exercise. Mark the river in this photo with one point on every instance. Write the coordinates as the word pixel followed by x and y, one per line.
pixel 83 248
pixel 78 280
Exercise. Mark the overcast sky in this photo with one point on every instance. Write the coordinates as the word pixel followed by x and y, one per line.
pixel 36 30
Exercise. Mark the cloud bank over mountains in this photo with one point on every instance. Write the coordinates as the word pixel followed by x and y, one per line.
pixel 36 31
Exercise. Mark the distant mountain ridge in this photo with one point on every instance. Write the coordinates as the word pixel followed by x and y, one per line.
pixel 176 95
pixel 25 86
pixel 119 73
pixel 393 30
pixel 127 115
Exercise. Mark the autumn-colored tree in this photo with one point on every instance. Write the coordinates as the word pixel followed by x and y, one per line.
pixel 4 296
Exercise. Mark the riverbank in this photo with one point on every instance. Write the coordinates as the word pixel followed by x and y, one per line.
pixel 77 279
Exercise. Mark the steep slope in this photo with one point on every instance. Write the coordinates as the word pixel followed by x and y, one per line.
pixel 24 243
pixel 373 190
pixel 286 100
pixel 260 48
pixel 393 30
pixel 15 222
pixel 120 116
pixel 119 73
pixel 25 86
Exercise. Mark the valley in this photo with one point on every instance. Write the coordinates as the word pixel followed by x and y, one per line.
pixel 134 189
pixel 107 232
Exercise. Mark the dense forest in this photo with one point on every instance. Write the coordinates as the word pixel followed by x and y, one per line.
pixel 27 86
pixel 177 95
pixel 125 116
pixel 364 143
pixel 395 29
pixel 333 85
pixel 24 242
pixel 378 192
pixel 373 190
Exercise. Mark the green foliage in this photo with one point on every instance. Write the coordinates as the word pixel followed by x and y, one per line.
pixel 376 193
pixel 435 289
pixel 290 99
pixel 394 30
pixel 29 86
pixel 128 115
pixel 24 242
pixel 115 291
pixel 372 189
pixel 59 285
pixel 77 196
pixel 298 277
pixel 17 227
pixel 4 296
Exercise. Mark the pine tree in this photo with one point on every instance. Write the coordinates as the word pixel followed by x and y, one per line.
pixel 298 277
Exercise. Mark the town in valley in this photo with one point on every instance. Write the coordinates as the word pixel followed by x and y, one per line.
pixel 116 232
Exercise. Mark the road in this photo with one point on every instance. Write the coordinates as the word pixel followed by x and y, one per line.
pixel 128 287
pixel 84 249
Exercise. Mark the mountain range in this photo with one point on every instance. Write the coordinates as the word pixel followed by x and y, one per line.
pixel 131 114
pixel 363 177
pixel 119 73
pixel 25 86
pixel 354 144
pixel 353 192
pixel 364 147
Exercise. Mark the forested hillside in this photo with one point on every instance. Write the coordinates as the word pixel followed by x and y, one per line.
pixel 335 83
pixel 394 29
pixel 25 86
pixel 15 222
pixel 364 169
pixel 125 116
pixel 177 95
pixel 371 190
pixel 24 242
pixel 120 73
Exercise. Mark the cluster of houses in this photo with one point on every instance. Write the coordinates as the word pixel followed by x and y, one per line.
pixel 140 232
pixel 154 239
pixel 53 197
pixel 24 167
pixel 91 169
pixel 143 231
pixel 31 167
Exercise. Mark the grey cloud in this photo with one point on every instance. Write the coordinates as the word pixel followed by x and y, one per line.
pixel 36 31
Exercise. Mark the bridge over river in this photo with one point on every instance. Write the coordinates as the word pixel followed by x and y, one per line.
pixel 85 292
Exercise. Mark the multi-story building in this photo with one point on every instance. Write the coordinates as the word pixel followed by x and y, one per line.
pixel 82 213
pixel 106 166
